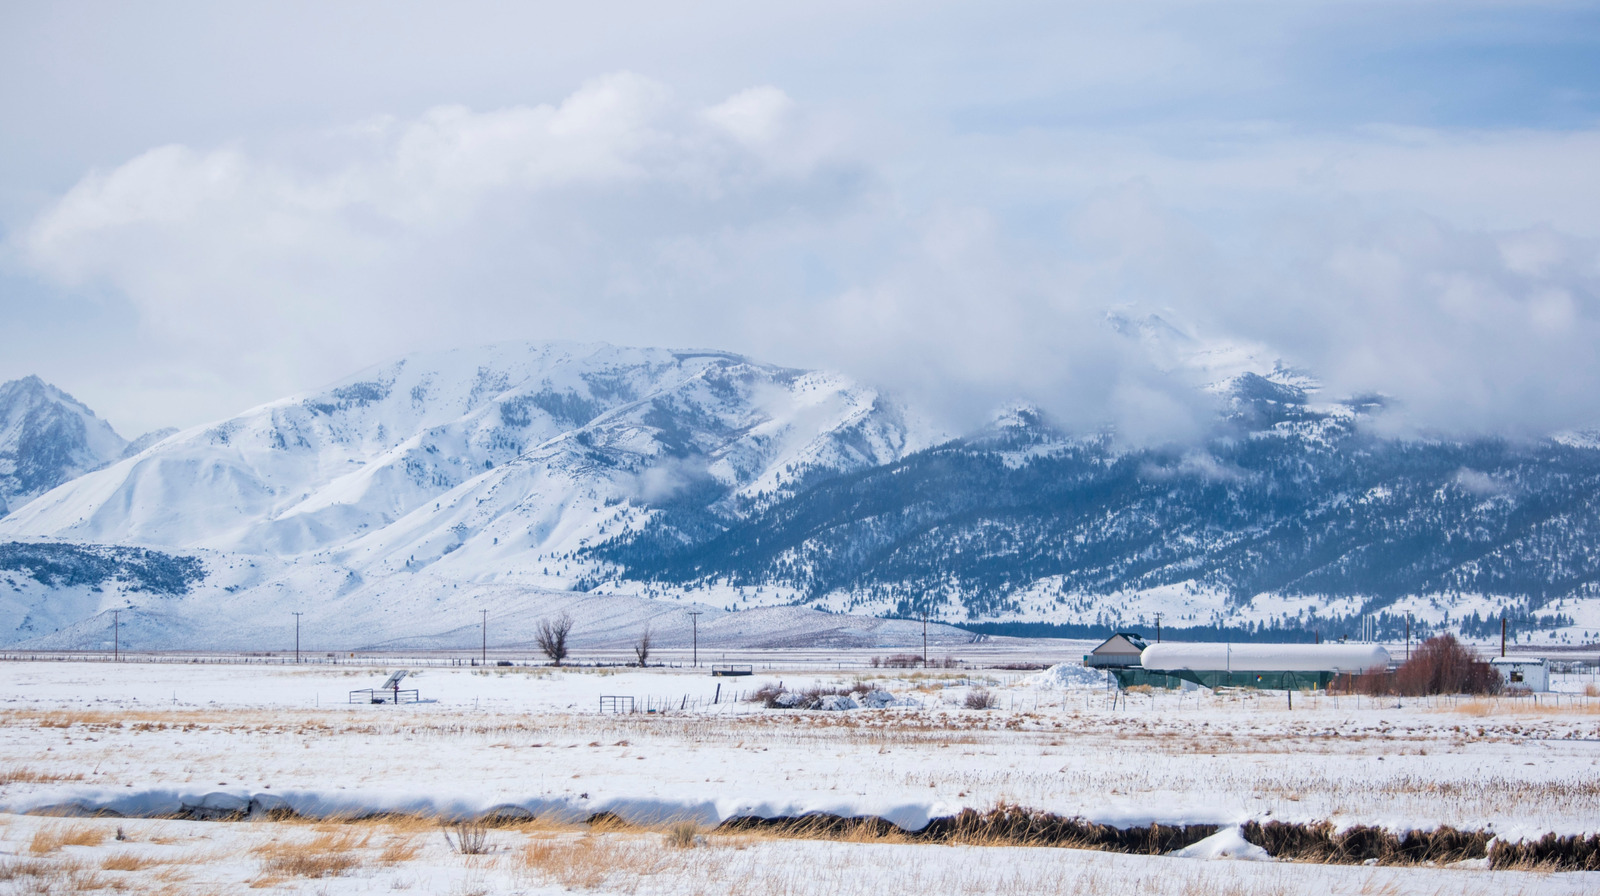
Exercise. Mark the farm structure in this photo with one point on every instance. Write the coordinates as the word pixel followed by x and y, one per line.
pixel 388 692
pixel 1265 666
pixel 1118 651
pixel 1527 672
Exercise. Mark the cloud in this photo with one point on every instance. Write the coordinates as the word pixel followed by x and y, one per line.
pixel 1469 331
pixel 1197 465
pixel 961 270
pixel 578 218
pixel 1482 484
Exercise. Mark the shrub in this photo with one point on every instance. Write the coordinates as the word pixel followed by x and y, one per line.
pixel 471 839
pixel 1443 665
pixel 767 695
pixel 981 698
pixel 1440 665
pixel 773 696
pixel 683 835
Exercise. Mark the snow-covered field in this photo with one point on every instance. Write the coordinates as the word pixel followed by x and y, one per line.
pixel 147 739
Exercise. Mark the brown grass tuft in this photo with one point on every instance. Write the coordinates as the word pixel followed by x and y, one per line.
pixel 52 837
pixel 398 850
pixel 584 863
pixel 683 834
pixel 328 854
pixel 1484 707
pixel 25 868
pixel 22 774
pixel 127 861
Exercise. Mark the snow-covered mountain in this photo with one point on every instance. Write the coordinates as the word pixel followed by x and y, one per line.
pixel 632 484
pixel 534 447
pixel 490 469
pixel 47 437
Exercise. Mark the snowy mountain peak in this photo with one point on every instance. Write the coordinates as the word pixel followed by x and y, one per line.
pixel 527 445
pixel 46 438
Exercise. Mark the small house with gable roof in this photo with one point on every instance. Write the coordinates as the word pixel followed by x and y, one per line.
pixel 1118 651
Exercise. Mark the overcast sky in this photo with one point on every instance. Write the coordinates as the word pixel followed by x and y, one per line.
pixel 204 206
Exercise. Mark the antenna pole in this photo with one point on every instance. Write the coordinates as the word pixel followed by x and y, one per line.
pixel 297 615
pixel 1158 628
pixel 694 616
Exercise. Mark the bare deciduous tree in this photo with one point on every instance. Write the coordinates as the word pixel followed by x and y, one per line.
pixel 642 648
pixel 551 637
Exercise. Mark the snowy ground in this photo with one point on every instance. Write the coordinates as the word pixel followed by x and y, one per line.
pixel 151 739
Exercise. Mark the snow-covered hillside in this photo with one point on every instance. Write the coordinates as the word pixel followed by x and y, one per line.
pixel 482 471
pixel 531 447
pixel 625 483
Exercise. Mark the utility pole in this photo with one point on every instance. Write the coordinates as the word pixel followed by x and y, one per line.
pixel 116 636
pixel 297 615
pixel 924 638
pixel 1502 635
pixel 694 615
pixel 1158 628
pixel 1408 636
pixel 483 651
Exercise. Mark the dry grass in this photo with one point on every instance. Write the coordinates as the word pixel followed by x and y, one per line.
pixel 1543 705
pixel 23 774
pixel 683 835
pixel 400 850
pixel 748 831
pixel 50 838
pixel 52 877
pixel 127 861
pixel 587 861
pixel 329 854
pixel 12 870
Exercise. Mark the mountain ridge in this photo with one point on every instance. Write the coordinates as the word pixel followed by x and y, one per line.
pixel 544 473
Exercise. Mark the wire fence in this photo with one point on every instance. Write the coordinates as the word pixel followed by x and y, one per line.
pixel 440 660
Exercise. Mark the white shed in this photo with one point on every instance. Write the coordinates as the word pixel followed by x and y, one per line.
pixel 1530 672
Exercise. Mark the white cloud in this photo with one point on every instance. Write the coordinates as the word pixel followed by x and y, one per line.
pixel 455 226
pixel 964 270
pixel 1480 483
